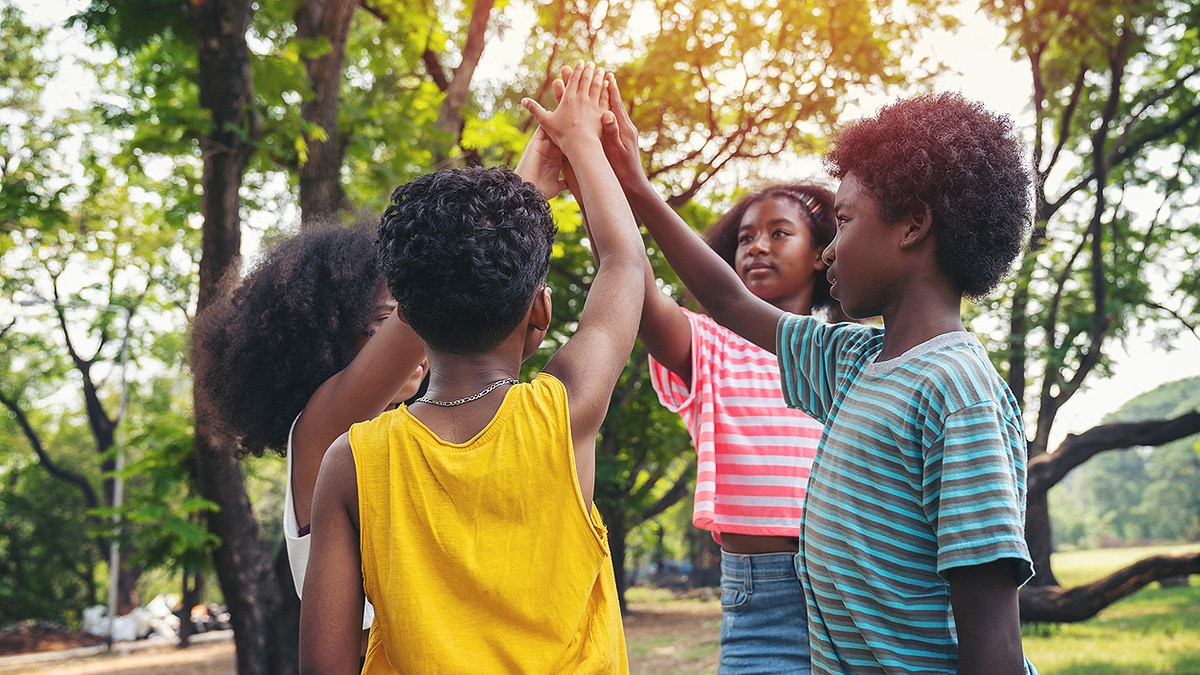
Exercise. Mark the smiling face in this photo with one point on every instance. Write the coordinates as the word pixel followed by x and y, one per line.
pixel 775 256
pixel 861 257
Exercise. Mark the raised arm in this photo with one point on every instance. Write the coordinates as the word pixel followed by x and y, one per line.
pixel 356 393
pixel 542 164
pixel 706 275
pixel 664 329
pixel 592 360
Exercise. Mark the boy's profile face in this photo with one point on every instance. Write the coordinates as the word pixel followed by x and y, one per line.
pixel 861 259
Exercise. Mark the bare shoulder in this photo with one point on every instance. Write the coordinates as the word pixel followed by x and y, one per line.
pixel 338 482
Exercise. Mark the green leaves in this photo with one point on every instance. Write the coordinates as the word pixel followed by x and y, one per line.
pixel 161 523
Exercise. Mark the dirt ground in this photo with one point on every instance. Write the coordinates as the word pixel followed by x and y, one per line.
pixel 38 636
pixel 663 638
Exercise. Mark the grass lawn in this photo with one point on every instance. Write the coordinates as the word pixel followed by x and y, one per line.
pixel 1154 631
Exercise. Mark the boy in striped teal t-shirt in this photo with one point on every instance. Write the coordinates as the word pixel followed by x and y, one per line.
pixel 913 534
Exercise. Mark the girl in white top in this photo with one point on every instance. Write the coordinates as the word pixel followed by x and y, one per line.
pixel 306 345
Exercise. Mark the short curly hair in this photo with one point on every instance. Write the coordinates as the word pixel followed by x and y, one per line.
pixel 816 201
pixel 463 252
pixel 963 161
pixel 260 351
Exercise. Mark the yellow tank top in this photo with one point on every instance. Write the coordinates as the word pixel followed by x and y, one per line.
pixel 480 557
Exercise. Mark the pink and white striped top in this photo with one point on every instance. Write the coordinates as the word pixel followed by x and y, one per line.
pixel 754 453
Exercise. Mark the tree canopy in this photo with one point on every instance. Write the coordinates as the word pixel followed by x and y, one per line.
pixel 224 118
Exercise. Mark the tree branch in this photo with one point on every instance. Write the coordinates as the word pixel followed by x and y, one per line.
pixel 680 489
pixel 1056 604
pixel 1046 470
pixel 78 480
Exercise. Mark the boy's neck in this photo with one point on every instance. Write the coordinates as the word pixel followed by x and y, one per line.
pixel 918 320
pixel 465 383
pixel 453 376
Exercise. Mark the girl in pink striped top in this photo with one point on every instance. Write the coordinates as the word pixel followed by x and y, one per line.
pixel 754 453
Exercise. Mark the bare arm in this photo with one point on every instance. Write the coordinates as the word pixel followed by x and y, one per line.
pixel 331 614
pixel 984 600
pixel 706 275
pixel 542 164
pixel 356 393
pixel 592 360
pixel 663 329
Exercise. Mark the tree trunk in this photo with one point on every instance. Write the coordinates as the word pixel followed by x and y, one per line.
pixel 245 570
pixel 241 560
pixel 1056 604
pixel 288 617
pixel 1039 538
pixel 321 195
pixel 191 596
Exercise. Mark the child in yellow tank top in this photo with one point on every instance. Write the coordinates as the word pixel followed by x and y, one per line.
pixel 467 516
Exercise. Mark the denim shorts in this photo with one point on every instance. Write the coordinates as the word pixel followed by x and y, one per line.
pixel 764 627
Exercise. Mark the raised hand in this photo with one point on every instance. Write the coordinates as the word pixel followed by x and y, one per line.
pixel 584 101
pixel 620 140
pixel 542 164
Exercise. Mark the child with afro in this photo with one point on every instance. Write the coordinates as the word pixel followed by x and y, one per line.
pixel 467 515
pixel 912 538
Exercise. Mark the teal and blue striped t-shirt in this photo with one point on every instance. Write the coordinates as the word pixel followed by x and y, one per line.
pixel 921 469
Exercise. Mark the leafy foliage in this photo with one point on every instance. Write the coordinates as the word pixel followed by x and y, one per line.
pixel 30 138
pixel 95 283
pixel 1135 496
pixel 161 523
pixel 41 576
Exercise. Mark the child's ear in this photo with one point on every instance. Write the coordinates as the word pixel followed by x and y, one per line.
pixel 917 225
pixel 541 310
pixel 538 323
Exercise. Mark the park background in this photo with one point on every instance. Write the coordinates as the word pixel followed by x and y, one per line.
pixel 147 146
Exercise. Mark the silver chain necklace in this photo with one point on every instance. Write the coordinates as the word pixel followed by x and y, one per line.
pixel 467 399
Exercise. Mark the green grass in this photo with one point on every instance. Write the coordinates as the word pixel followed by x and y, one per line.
pixel 1080 567
pixel 1154 631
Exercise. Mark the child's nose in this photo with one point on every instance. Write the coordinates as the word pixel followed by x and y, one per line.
pixel 827 255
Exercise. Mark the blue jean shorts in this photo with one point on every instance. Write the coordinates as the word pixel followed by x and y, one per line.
pixel 764 627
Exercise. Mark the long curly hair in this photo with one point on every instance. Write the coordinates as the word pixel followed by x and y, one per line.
pixel 261 350
pixel 816 201
pixel 963 161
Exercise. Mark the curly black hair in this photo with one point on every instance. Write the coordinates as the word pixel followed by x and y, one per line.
pixel 463 252
pixel 260 351
pixel 963 161
pixel 815 200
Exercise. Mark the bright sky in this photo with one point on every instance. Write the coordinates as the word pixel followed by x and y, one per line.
pixel 983 71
